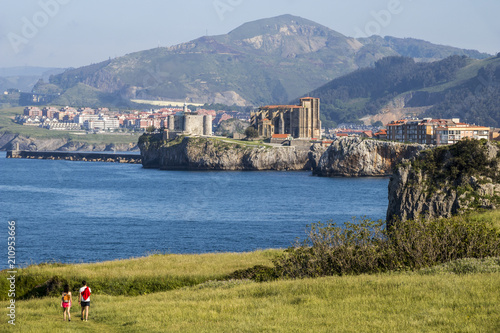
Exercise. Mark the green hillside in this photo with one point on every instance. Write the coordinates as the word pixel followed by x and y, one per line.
pixel 474 97
pixel 453 87
pixel 261 62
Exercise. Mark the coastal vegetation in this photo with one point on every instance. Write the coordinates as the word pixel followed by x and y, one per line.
pixel 466 158
pixel 366 247
pixel 399 302
pixel 433 287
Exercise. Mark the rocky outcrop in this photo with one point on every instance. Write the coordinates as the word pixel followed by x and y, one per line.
pixel 192 153
pixel 232 125
pixel 315 154
pixel 446 181
pixel 9 141
pixel 356 157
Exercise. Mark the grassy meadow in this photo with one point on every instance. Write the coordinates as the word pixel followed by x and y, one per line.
pixel 461 296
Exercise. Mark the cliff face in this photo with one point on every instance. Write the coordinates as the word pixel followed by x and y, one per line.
pixel 355 157
pixel 9 141
pixel 214 154
pixel 446 181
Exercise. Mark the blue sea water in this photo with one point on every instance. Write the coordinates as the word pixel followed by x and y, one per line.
pixel 69 211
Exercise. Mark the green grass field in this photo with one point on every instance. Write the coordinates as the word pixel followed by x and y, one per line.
pixel 437 301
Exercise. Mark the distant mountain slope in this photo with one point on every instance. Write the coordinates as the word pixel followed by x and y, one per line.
pixel 420 49
pixel 453 87
pixel 24 78
pixel 261 62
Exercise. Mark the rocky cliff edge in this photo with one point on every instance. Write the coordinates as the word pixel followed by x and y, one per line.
pixel 446 181
pixel 193 153
pixel 357 157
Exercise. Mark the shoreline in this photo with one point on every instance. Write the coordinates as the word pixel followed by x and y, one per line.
pixel 76 156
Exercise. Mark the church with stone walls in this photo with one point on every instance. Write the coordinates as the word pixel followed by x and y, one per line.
pixel 299 121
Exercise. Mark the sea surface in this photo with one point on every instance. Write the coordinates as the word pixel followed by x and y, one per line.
pixel 67 211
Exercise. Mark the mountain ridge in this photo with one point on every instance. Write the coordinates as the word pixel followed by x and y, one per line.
pixel 260 62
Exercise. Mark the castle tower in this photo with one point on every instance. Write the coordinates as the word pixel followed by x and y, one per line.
pixel 187 124
pixel 171 123
pixel 207 125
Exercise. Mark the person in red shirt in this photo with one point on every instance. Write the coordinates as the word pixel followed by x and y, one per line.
pixel 84 300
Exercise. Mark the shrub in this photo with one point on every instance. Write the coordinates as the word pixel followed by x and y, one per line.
pixel 329 249
pixel 251 132
pixel 423 243
pixel 258 273
pixel 367 247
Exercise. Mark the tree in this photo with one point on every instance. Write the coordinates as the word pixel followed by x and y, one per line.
pixel 251 132
pixel 150 129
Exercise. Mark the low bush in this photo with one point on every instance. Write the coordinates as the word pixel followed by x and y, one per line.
pixel 33 286
pixel 258 273
pixel 366 246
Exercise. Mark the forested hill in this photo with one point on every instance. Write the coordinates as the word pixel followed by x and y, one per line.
pixel 476 100
pixel 453 87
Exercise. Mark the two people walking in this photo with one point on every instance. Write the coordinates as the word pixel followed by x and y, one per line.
pixel 83 300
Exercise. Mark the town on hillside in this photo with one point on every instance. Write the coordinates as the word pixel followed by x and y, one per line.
pixel 279 124
pixel 105 120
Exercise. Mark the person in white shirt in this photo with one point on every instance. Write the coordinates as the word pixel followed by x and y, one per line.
pixel 84 300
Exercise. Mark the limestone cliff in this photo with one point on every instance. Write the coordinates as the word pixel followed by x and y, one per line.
pixel 356 157
pixel 9 141
pixel 191 153
pixel 315 154
pixel 446 181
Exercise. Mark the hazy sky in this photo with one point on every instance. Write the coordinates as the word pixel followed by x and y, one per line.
pixel 72 33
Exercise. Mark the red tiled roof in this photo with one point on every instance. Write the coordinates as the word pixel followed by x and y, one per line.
pixel 280 136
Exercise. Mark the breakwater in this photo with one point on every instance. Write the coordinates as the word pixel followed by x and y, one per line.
pixel 76 156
